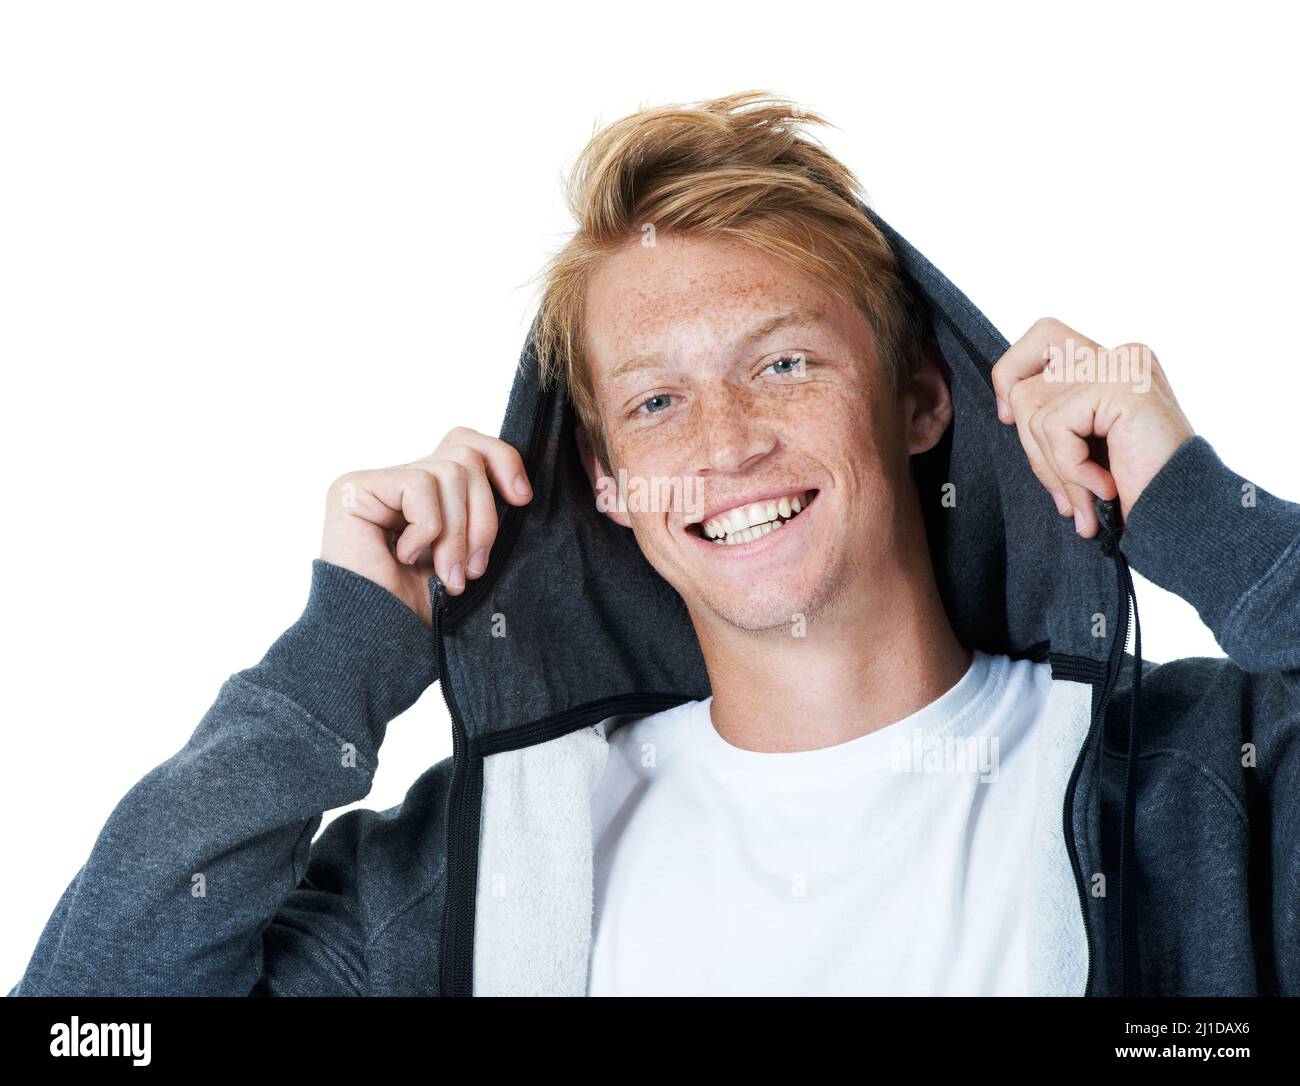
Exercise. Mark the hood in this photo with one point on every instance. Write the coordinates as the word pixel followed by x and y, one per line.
pixel 570 624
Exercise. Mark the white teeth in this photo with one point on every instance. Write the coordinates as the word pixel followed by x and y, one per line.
pixel 753 521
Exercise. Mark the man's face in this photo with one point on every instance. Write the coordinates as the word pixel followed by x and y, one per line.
pixel 724 370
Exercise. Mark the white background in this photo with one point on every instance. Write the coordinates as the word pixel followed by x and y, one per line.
pixel 246 247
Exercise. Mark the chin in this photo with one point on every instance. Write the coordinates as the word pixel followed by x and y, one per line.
pixel 768 606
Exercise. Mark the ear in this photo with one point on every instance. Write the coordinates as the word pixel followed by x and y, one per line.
pixel 927 402
pixel 603 485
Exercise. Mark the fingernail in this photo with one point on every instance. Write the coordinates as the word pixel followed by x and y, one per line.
pixel 457 577
pixel 521 486
pixel 478 561
pixel 1003 412
pixel 1062 503
pixel 1078 521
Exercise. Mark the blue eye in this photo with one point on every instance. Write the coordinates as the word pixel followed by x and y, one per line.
pixel 797 359
pixel 657 396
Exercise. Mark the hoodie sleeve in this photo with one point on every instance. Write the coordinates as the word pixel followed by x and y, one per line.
pixel 182 891
pixel 1232 550
pixel 1228 547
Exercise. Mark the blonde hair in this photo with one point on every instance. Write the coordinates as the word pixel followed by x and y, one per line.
pixel 735 167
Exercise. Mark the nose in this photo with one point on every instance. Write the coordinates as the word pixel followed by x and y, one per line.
pixel 729 432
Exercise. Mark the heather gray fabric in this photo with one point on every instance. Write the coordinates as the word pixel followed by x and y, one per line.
pixel 571 626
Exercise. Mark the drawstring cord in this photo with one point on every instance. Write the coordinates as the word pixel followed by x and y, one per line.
pixel 1130 978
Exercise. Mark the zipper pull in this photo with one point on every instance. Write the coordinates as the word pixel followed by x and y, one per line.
pixel 437 598
pixel 1110 525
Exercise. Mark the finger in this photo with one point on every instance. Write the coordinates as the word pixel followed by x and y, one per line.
pixel 354 494
pixel 1027 398
pixel 1078 501
pixel 1064 428
pixel 390 498
pixel 1029 356
pixel 417 498
pixel 1038 464
pixel 504 465
pixel 483 524
pixel 448 551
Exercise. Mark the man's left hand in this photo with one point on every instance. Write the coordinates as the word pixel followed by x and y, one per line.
pixel 1093 420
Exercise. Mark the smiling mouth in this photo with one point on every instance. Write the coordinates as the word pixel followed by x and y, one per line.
pixel 772 517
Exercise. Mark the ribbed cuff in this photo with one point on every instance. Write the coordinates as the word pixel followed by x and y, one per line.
pixel 1206 533
pixel 356 658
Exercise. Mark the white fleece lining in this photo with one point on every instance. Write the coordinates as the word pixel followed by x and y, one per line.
pixel 533 918
pixel 1058 941
pixel 532 923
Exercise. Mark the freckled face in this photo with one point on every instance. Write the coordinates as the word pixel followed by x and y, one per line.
pixel 727 397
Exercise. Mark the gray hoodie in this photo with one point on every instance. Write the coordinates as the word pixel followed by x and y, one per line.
pixel 1166 857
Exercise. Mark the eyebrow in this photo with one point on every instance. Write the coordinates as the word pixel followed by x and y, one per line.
pixel 800 315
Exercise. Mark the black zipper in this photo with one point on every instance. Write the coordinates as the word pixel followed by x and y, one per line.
pixel 984 369
pixel 455 975
pixel 1073 851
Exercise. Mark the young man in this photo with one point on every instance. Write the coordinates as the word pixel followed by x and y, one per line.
pixel 784 675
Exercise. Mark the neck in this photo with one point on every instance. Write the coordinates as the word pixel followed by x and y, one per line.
pixel 880 652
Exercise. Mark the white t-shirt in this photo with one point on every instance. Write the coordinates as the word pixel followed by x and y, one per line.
pixel 891 864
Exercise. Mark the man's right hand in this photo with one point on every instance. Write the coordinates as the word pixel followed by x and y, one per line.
pixel 396 526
